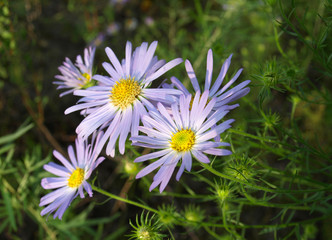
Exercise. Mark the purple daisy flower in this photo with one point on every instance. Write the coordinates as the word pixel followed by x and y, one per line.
pixel 71 177
pixel 184 133
pixel 222 96
pixel 121 99
pixel 76 76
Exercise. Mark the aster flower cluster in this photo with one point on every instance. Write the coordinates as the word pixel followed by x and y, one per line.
pixel 180 125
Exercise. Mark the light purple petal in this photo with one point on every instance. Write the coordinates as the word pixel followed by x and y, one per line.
pixel 203 114
pixel 88 188
pixel 149 140
pixel 209 70
pixel 179 85
pixel 192 76
pixel 184 110
pixel 152 167
pixel 114 60
pixel 53 182
pixel 136 117
pixel 168 174
pixel 214 131
pixel 157 125
pixel 166 115
pixel 53 206
pixel 111 71
pixel 218 152
pixel 200 156
pixel 64 205
pixel 152 155
pixel 162 123
pixel 155 66
pixel 50 197
pixel 146 145
pixel 193 111
pixel 187 160
pixel 221 76
pixel 128 58
pixel 63 160
pixel 198 109
pixel 72 155
pixel 125 125
pixel 176 115
pixel 80 191
pixel 82 106
pixel 57 169
pixel 103 79
pixel 148 57
pixel 113 132
pixel 162 70
pixel 154 133
pixel 212 120
pixel 180 171
pixel 230 82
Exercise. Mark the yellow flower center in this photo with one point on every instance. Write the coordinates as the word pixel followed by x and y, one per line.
pixel 87 77
pixel 87 81
pixel 125 92
pixel 183 140
pixel 76 178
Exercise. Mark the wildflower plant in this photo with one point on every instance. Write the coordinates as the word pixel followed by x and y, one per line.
pixel 261 169
pixel 168 215
pixel 185 135
pixel 72 177
pixel 146 228
pixel 119 102
pixel 194 214
pixel 78 75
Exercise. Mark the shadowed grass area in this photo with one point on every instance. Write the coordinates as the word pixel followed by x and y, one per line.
pixel 275 185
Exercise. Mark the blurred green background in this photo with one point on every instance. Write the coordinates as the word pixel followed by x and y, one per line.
pixel 283 46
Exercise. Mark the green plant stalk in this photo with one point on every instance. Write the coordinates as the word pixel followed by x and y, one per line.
pixel 97 189
pixel 215 172
pixel 212 233
pixel 255 201
pixel 207 224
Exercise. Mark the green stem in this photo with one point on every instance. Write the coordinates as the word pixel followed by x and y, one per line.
pixel 215 172
pixel 182 195
pixel 206 224
pixel 254 137
pixel 273 205
pixel 97 189
pixel 212 233
pixel 255 201
pixel 276 38
pixel 282 225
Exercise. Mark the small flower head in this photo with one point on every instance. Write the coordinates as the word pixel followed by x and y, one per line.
pixel 223 191
pixel 147 228
pixel 119 101
pixel 270 120
pixel 310 231
pixel 181 135
pixel 130 168
pixel 78 76
pixel 167 215
pixel 241 168
pixel 72 177
pixel 194 214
